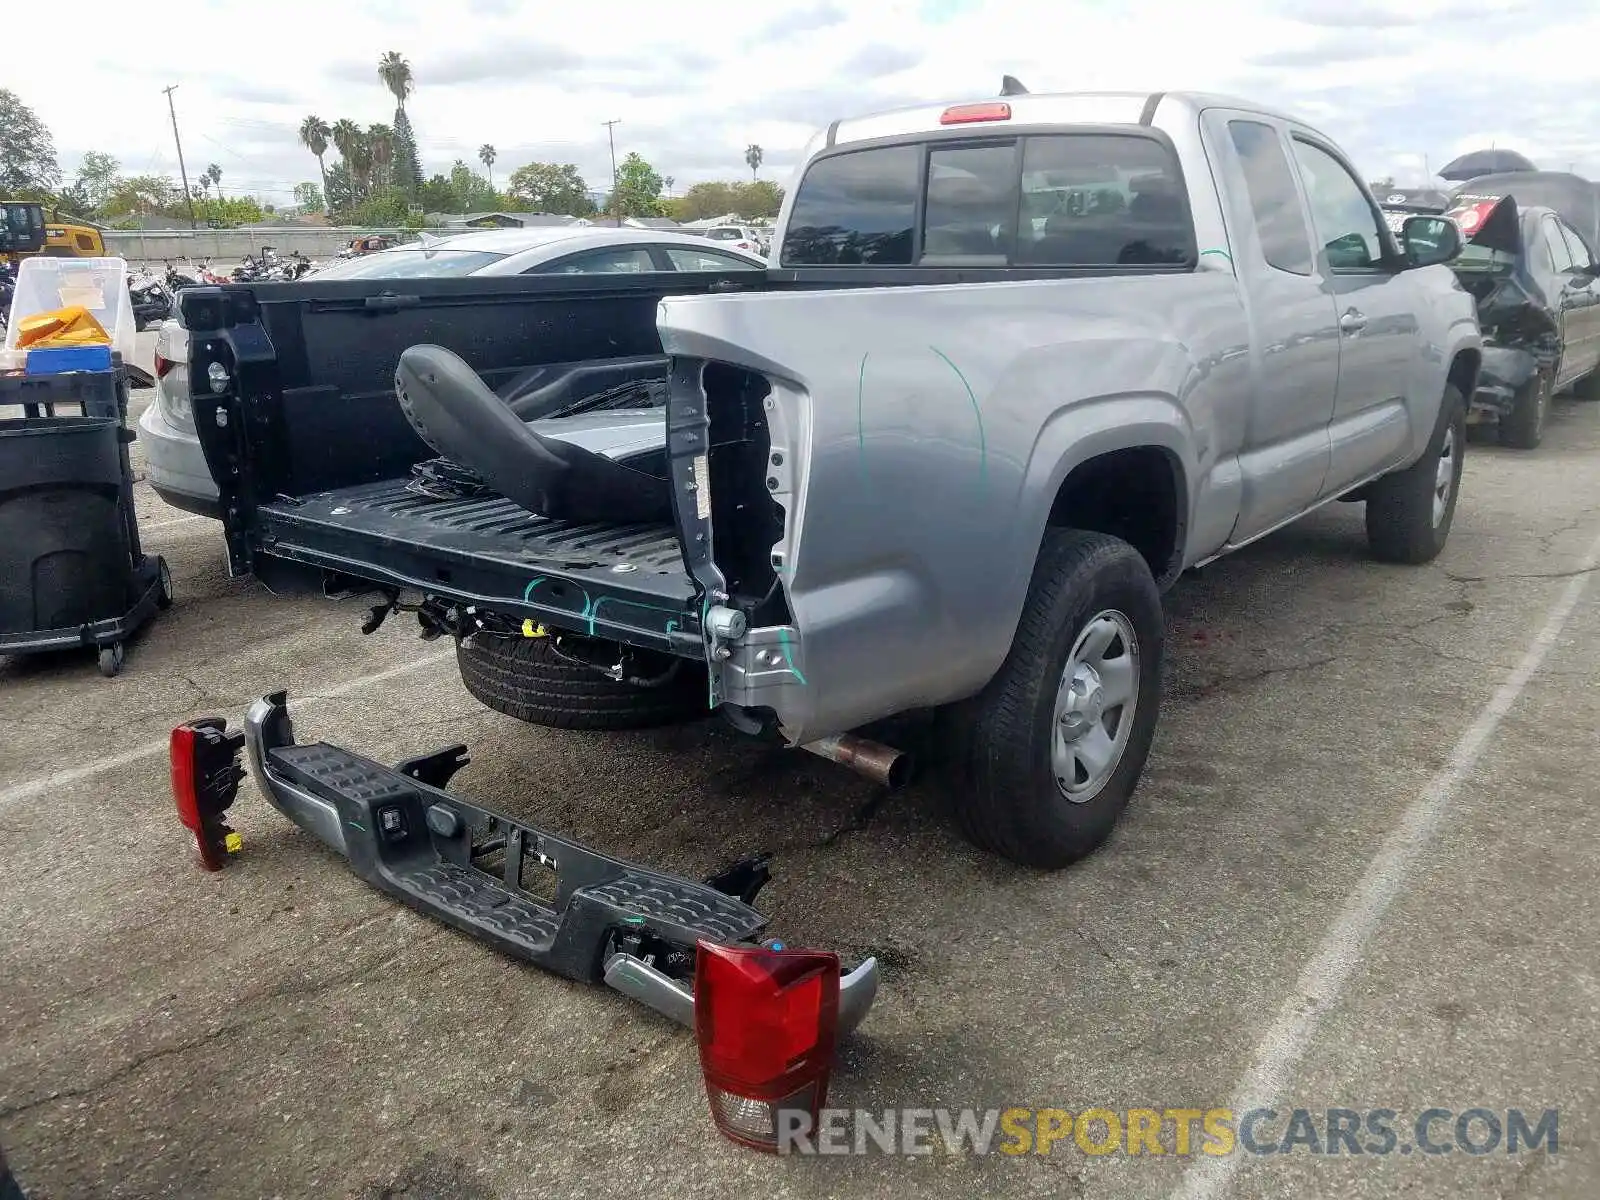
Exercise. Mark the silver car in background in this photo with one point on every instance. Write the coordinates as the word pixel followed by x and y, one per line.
pixel 175 466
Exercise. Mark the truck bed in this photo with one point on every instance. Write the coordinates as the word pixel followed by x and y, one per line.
pixel 489 550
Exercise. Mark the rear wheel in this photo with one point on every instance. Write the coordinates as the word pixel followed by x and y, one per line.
pixel 538 681
pixel 1055 744
pixel 1523 427
pixel 1409 512
pixel 1588 388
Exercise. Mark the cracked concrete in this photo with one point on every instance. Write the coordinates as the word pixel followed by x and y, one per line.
pixel 280 1030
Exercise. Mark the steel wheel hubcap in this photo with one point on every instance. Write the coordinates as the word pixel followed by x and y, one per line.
pixel 1095 704
pixel 1444 476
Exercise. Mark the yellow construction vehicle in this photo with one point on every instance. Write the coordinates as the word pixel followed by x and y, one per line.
pixel 24 232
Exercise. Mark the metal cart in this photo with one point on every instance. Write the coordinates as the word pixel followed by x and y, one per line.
pixel 72 572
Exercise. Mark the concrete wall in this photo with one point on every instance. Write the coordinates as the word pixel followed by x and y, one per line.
pixel 227 245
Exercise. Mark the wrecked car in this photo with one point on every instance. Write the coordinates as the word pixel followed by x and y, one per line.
pixel 1017 365
pixel 1534 280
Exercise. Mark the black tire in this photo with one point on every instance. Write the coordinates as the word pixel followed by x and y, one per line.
pixel 1587 388
pixel 1523 427
pixel 525 678
pixel 1401 524
pixel 1011 804
pixel 164 593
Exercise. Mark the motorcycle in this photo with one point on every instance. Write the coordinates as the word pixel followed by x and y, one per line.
pixel 152 302
pixel 176 280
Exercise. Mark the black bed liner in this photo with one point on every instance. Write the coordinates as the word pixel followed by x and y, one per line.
pixel 614 579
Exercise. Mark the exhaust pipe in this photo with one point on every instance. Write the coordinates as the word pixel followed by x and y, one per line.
pixel 873 760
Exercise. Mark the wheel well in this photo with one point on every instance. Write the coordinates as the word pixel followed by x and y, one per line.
pixel 1464 373
pixel 1132 494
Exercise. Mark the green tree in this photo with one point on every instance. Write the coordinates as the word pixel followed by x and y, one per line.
pixel 240 210
pixel 314 135
pixel 380 144
pixel 760 198
pixel 437 196
pixel 97 177
pixel 472 190
pixel 342 195
pixel 28 166
pixel 752 159
pixel 638 190
pixel 214 176
pixel 551 188
pixel 142 196
pixel 487 155
pixel 396 74
pixel 308 197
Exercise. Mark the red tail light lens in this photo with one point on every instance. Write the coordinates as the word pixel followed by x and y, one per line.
pixel 766 1021
pixel 966 114
pixel 205 780
pixel 1473 215
pixel 163 365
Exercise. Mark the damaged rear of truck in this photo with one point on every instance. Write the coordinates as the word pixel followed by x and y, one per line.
pixel 1533 277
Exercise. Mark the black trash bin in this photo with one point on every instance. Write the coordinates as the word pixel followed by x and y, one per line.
pixel 71 569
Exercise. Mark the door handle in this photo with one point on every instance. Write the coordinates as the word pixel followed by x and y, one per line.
pixel 1353 321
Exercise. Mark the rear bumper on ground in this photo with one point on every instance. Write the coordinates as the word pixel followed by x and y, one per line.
pixel 604 920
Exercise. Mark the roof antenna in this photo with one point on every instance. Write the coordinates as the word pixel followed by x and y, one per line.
pixel 1010 85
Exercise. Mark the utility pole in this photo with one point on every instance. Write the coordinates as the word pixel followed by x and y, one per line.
pixel 183 172
pixel 611 137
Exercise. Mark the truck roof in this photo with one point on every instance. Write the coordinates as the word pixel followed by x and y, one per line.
pixel 1059 108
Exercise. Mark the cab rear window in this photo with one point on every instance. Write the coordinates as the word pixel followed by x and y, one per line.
pixel 1049 200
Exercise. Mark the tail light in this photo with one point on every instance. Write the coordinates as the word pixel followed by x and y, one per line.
pixel 1473 215
pixel 163 365
pixel 766 1020
pixel 205 780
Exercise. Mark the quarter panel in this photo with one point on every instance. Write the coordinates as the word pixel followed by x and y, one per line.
pixel 924 432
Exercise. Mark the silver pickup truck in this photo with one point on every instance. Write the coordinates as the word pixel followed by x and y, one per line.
pixel 1017 364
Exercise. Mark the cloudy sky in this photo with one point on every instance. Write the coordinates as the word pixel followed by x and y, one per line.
pixel 1403 84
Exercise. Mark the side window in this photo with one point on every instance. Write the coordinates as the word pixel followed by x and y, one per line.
pixel 687 259
pixel 623 259
pixel 1556 245
pixel 1094 200
pixel 856 209
pixel 971 206
pixel 1345 223
pixel 1280 222
pixel 1581 257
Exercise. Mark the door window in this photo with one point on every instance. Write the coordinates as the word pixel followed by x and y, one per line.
pixel 686 259
pixel 1556 246
pixel 1275 201
pixel 622 259
pixel 1346 225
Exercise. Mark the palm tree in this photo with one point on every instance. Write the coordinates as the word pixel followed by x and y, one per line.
pixel 380 144
pixel 395 72
pixel 346 136
pixel 486 156
pixel 214 173
pixel 752 159
pixel 314 134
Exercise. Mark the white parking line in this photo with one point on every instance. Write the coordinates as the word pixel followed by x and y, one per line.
pixel 152 526
pixel 34 787
pixel 1323 980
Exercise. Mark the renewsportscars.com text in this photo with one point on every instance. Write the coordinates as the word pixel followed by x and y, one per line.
pixel 1172 1131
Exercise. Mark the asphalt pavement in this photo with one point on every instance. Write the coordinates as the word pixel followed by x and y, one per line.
pixel 1361 873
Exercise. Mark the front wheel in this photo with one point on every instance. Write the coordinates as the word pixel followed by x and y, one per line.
pixel 1055 744
pixel 1409 512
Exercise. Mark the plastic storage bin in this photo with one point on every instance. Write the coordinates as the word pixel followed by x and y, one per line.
pixel 99 284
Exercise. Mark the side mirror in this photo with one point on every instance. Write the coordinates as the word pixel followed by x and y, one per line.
pixel 1428 241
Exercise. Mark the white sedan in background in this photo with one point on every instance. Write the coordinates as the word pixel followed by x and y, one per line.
pixel 175 464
